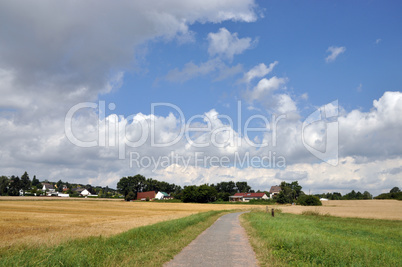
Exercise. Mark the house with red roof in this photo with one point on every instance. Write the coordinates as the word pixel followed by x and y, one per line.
pixel 144 195
pixel 246 197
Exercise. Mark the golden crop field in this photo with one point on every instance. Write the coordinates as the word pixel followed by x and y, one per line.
pixel 29 221
pixel 49 222
pixel 372 209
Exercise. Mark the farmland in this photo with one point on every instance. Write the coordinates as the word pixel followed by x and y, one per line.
pixel 49 222
pixel 150 245
pixel 370 209
pixel 44 221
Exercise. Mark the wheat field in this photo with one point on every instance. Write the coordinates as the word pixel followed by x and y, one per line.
pixel 49 222
pixel 370 209
pixel 33 222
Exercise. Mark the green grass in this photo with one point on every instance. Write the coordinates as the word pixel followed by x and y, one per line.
pixel 316 240
pixel 251 202
pixel 150 245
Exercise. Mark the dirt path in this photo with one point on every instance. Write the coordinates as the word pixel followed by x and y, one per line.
pixel 225 243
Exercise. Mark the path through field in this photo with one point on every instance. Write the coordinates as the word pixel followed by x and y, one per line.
pixel 225 243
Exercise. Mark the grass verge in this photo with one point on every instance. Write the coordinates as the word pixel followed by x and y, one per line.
pixel 313 239
pixel 150 245
pixel 251 202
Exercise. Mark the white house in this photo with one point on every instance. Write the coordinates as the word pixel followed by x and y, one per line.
pixel 162 195
pixel 246 197
pixel 85 193
pixel 275 190
pixel 48 188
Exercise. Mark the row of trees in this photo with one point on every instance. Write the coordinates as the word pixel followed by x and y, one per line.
pixel 210 193
pixel 130 186
pixel 394 193
pixel 226 189
pixel 14 185
pixel 11 186
pixel 290 192
pixel 353 195
pixel 199 194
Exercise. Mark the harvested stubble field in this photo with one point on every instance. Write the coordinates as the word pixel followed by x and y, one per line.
pixel 370 209
pixel 29 221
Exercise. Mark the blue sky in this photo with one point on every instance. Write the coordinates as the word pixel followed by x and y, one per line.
pixel 281 61
pixel 295 34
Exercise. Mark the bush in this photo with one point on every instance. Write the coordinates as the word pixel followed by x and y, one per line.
pixel 308 200
pixel 199 194
pixel 397 196
pixel 129 196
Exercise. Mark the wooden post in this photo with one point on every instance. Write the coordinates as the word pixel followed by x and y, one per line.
pixel 266 209
pixel 273 212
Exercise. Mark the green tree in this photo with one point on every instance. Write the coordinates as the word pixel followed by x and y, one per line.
pixel 35 182
pixel 290 192
pixel 243 187
pixel 227 187
pixel 282 198
pixel 367 195
pixel 59 186
pixel 130 196
pixel 133 184
pixel 4 183
pixel 395 190
pixel 199 194
pixel 25 182
pixel 15 186
pixel 223 196
pixel 206 194
pixel 190 194
pixel 308 200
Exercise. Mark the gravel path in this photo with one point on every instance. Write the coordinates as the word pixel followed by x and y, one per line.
pixel 225 243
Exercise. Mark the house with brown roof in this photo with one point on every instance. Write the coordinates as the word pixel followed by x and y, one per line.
pixel 144 195
pixel 246 197
pixel 48 188
pixel 274 191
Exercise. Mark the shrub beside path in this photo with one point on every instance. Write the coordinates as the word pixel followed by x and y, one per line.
pixel 225 243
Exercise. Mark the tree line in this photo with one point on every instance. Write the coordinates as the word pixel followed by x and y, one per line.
pixel 394 193
pixel 11 186
pixel 15 186
pixel 353 195
pixel 130 186
pixel 211 193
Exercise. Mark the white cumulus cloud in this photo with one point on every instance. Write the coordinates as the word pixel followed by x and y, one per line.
pixel 226 44
pixel 259 71
pixel 334 52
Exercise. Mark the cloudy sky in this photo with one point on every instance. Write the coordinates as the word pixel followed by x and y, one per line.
pixel 194 92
